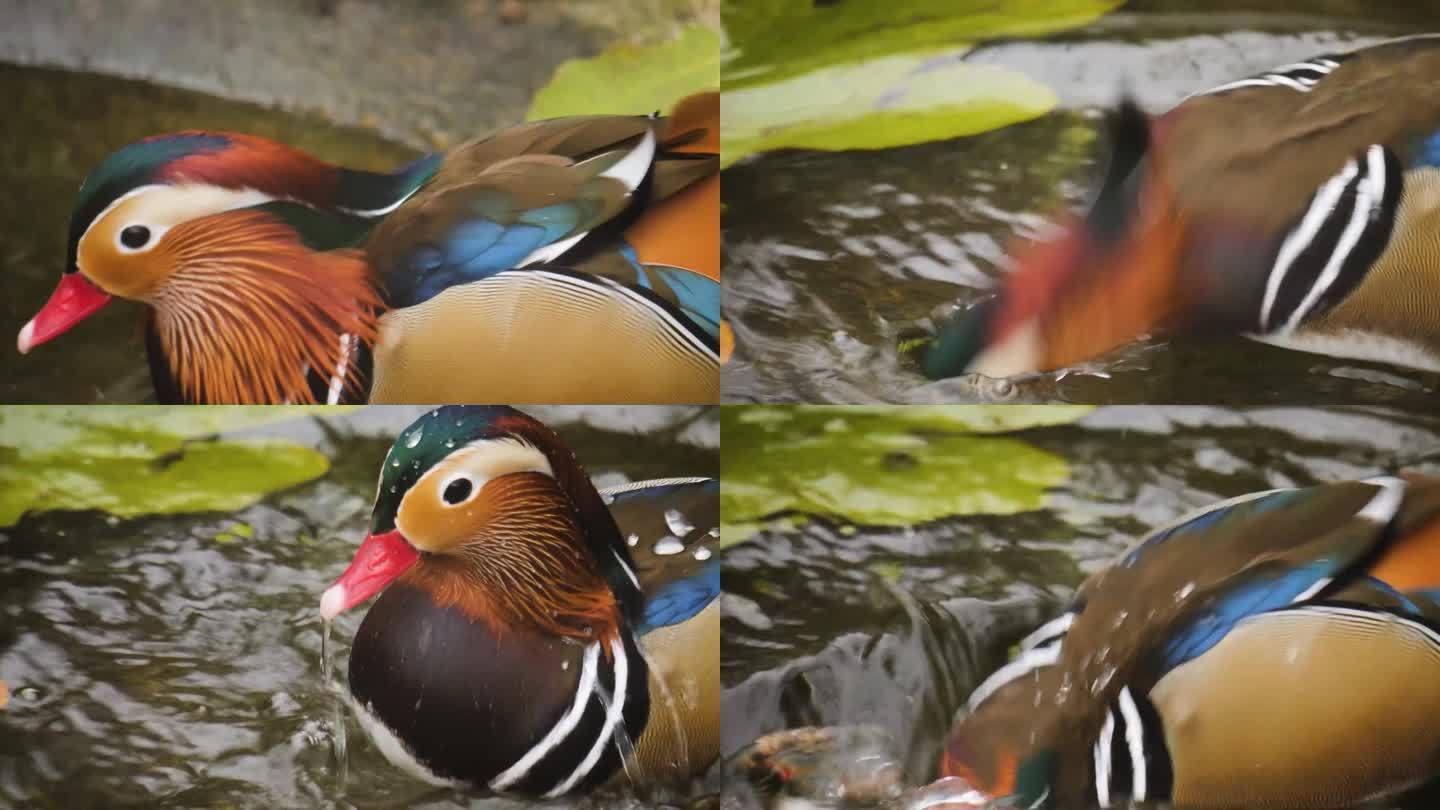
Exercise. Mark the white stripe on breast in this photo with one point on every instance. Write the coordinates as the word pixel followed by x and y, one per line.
pixel 1300 238
pixel 1102 760
pixel 1369 194
pixel 1028 661
pixel 562 729
pixel 393 749
pixel 612 718
pixel 1135 740
pixel 1049 631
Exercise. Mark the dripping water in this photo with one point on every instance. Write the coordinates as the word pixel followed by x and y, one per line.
pixel 339 741
pixel 622 741
pixel 325 666
pixel 681 761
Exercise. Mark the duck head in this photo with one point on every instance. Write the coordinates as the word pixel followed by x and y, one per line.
pixel 1109 277
pixel 205 228
pixel 485 509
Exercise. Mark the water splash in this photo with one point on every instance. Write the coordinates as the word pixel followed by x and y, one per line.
pixel 681 762
pixel 325 666
pixel 339 741
pixel 622 741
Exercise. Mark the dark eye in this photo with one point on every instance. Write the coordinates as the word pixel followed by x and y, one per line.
pixel 457 491
pixel 135 236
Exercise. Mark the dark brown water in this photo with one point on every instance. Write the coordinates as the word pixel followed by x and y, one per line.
pixel 831 257
pixel 171 661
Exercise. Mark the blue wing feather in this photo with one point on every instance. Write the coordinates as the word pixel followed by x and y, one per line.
pixel 699 296
pixel 677 601
pixel 1426 152
pixel 1211 518
pixel 1253 597
pixel 490 238
pixel 1262 589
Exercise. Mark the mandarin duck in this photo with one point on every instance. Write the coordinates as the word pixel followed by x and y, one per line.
pixel 532 634
pixel 1280 650
pixel 565 260
pixel 1298 207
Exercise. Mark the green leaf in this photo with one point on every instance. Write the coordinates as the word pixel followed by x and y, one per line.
pixel 771 40
pixel 139 460
pixel 967 418
pixel 878 75
pixel 631 79
pixel 895 101
pixel 882 467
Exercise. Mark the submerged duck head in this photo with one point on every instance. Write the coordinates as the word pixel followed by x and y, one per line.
pixel 1105 279
pixel 484 508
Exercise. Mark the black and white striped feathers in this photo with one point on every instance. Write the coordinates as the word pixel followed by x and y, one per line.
pixel 1341 233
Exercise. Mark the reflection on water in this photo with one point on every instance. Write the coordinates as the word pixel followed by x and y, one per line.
pixel 178 660
pixel 71 121
pixel 831 259
pixel 829 623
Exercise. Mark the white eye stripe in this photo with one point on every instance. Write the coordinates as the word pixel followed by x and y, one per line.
pixel 480 461
pixel 164 205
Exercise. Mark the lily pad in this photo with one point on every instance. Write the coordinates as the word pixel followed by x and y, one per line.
pixel 889 102
pixel 968 418
pixel 875 76
pixel 771 40
pixel 139 460
pixel 633 79
pixel 880 468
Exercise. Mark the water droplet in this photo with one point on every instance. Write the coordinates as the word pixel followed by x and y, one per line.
pixel 632 539
pixel 715 532
pixel 565 664
pixel 449 443
pixel 415 436
pixel 1185 591
pixel 669 545
pixel 702 553
pixel 395 463
pixel 677 523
